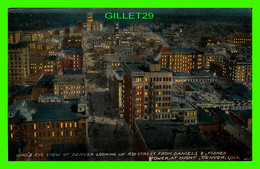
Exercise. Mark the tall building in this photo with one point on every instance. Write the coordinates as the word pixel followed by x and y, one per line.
pixel 239 72
pixel 182 60
pixel 38 52
pixel 242 39
pixel 91 25
pixel 208 58
pixel 14 37
pixel 69 85
pixel 18 64
pixel 72 42
pixel 42 126
pixel 90 17
pixel 147 92
pixel 116 34
pixel 116 89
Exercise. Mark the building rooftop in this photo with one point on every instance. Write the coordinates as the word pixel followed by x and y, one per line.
pixel 72 50
pixel 15 104
pixel 32 111
pixel 50 57
pixel 72 71
pixel 140 67
pixel 183 50
pixel 193 85
pixel 18 45
pixel 69 78
pixel 179 74
pixel 200 73
pixel 135 66
pixel 20 90
pixel 203 117
pixel 181 105
pixel 244 114
pixel 223 115
pixel 166 135
pixel 46 81
pixel 51 96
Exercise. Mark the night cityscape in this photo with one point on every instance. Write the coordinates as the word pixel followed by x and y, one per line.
pixel 108 84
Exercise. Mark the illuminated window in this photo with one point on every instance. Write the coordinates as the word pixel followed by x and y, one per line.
pixel 75 124
pixel 34 126
pixel 146 79
pixel 70 124
pixel 11 127
pixel 61 133
pixel 12 136
pixel 66 125
pixel 70 133
pixel 61 125
pixel 34 134
pixel 52 134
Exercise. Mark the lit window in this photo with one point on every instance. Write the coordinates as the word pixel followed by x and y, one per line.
pixel 61 133
pixel 34 126
pixel 12 136
pixel 70 124
pixel 52 134
pixel 34 134
pixel 61 125
pixel 70 133
pixel 75 124
pixel 11 127
pixel 66 125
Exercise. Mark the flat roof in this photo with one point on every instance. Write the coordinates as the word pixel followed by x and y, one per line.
pixel 179 74
pixel 183 50
pixel 166 134
pixel 134 66
pixel 72 71
pixel 46 81
pixel 200 73
pixel 140 67
pixel 181 105
pixel 32 111
pixel 203 117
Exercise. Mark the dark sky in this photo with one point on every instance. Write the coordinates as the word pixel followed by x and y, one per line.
pixel 171 11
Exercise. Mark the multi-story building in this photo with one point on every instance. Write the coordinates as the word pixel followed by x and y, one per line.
pixel 208 58
pixel 72 42
pixel 91 25
pixel 38 51
pixel 239 72
pixel 148 91
pixel 182 60
pixel 69 59
pixel 42 125
pixel 14 37
pixel 216 68
pixel 43 86
pixel 194 76
pixel 242 39
pixel 105 44
pixel 69 86
pixel 183 111
pixel 18 64
pixel 116 88
pixel 50 64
